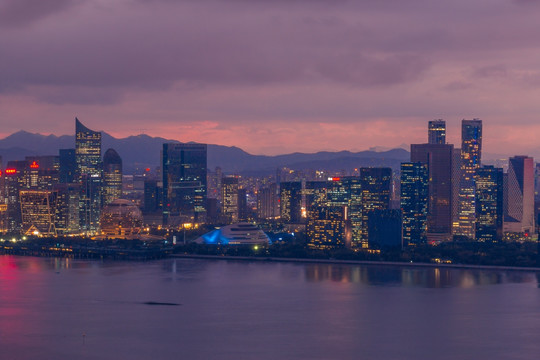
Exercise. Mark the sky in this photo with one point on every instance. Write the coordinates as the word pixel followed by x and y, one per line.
pixel 274 76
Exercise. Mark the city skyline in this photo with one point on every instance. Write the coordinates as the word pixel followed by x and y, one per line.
pixel 273 77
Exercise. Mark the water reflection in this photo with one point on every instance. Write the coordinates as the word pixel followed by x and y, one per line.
pixel 423 277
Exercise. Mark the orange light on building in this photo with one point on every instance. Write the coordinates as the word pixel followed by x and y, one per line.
pixel 34 165
pixel 11 171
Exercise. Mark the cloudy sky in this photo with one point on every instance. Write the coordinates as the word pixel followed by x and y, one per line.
pixel 274 76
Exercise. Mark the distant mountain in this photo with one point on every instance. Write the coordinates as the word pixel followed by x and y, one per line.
pixel 142 151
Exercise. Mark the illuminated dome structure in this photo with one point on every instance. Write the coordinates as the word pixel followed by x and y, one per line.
pixel 121 219
pixel 236 234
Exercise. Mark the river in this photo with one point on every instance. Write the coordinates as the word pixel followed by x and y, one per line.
pixel 53 308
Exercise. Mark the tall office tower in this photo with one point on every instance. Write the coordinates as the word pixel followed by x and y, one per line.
pixel 437 132
pixel 42 172
pixel 243 211
pixel 471 154
pixel 328 227
pixel 384 229
pixel 229 194
pixel 375 184
pixel 38 211
pixel 290 202
pixel 519 216
pixel 347 191
pixel 267 202
pixel 67 209
pixel 67 166
pixel 112 176
pixel 89 176
pixel 151 196
pixel 537 182
pixel 414 202
pixel 15 181
pixel 456 185
pixel 316 194
pixel 184 182
pixel 438 158
pixel 489 203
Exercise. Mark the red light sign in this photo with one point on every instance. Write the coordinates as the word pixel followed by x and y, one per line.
pixel 336 179
pixel 11 171
pixel 147 169
pixel 34 165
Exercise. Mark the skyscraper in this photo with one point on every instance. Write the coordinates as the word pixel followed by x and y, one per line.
pixel 414 201
pixel 290 201
pixel 229 194
pixel 375 185
pixel 328 227
pixel 437 132
pixel 267 204
pixel 489 203
pixel 438 158
pixel 471 154
pixel 112 176
pixel 519 216
pixel 67 166
pixel 89 176
pixel 184 182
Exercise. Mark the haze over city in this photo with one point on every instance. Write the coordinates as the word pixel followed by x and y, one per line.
pixel 273 76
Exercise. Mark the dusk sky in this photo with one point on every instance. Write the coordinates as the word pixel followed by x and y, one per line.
pixel 274 76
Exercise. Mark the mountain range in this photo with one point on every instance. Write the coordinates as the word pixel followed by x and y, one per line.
pixel 143 151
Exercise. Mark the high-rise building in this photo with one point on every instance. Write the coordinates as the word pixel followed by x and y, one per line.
pixel 290 202
pixel 438 158
pixel 243 212
pixel 229 194
pixel 328 227
pixel 519 216
pixel 38 211
pixel 67 209
pixel 384 229
pixel 489 203
pixel 15 181
pixel 375 185
pixel 184 182
pixel 67 166
pixel 414 201
pixel 437 132
pixel 267 202
pixel 471 154
pixel 347 191
pixel 89 176
pixel 112 176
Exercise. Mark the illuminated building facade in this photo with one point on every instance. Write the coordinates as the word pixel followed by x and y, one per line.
pixel 184 182
pixel 229 194
pixel 519 198
pixel 67 209
pixel 121 219
pixel 437 132
pixel 290 202
pixel 347 191
pixel 38 210
pixel 15 181
pixel 112 176
pixel 375 184
pixel 89 176
pixel 438 158
pixel 471 154
pixel 267 204
pixel 489 203
pixel 414 201
pixel 328 227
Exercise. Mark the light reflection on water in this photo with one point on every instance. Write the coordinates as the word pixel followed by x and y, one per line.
pixel 246 310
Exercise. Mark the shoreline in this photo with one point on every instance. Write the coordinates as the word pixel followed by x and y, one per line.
pixel 355 262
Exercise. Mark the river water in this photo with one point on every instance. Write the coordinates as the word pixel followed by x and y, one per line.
pixel 76 309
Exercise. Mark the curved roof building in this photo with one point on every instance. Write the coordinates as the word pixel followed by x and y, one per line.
pixel 121 219
pixel 236 234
